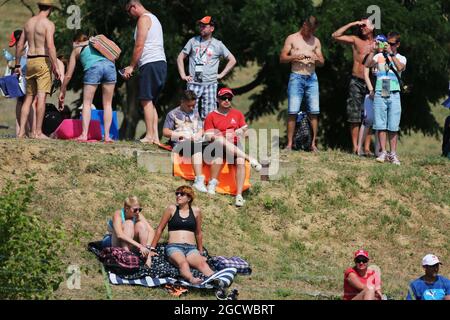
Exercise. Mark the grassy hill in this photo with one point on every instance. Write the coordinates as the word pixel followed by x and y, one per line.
pixel 298 233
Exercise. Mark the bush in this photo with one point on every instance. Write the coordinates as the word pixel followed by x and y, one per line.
pixel 30 267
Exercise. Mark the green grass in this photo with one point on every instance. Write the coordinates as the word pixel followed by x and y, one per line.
pixel 298 233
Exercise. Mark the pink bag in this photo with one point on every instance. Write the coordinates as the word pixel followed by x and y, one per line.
pixel 72 128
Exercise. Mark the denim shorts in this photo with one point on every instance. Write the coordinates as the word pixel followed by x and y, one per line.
pixel 184 248
pixel 387 112
pixel 101 72
pixel 303 86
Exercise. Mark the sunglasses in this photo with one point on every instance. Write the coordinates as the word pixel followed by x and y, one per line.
pixel 129 9
pixel 181 194
pixel 136 210
pixel 393 43
pixel 226 99
pixel 357 261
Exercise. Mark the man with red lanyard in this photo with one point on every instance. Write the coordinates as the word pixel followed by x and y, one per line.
pixel 361 282
pixel 225 127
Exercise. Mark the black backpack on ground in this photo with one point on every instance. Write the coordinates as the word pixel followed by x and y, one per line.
pixel 446 138
pixel 303 133
pixel 53 118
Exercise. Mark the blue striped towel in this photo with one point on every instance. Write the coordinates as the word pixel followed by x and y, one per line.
pixel 225 276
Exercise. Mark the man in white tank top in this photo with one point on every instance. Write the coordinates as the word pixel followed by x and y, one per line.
pixel 149 57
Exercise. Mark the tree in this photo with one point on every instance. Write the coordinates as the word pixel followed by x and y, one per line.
pixel 254 30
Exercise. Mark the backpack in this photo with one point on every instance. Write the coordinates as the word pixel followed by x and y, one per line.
pixel 108 48
pixel 446 138
pixel 303 133
pixel 53 118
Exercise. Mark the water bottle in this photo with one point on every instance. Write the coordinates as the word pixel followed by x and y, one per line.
pixel 8 56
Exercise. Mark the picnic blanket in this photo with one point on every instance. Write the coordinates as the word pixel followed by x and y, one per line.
pixel 227 177
pixel 163 272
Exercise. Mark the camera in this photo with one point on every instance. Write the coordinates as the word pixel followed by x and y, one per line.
pixel 198 77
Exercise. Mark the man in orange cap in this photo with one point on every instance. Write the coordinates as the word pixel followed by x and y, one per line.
pixel 204 52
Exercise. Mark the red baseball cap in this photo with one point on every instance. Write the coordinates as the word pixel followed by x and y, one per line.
pixel 225 91
pixel 362 253
pixel 15 36
pixel 207 20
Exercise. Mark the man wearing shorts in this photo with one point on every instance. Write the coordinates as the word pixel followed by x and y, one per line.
pixel 204 54
pixel 304 51
pixel 41 60
pixel 361 44
pixel 149 56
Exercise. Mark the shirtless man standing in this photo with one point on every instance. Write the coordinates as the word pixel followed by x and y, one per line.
pixel 304 51
pixel 362 44
pixel 41 61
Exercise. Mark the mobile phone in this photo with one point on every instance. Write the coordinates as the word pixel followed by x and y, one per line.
pixel 122 72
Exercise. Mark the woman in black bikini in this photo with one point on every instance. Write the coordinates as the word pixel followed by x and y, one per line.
pixel 185 245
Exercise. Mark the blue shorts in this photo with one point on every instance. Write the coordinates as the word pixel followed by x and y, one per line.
pixel 101 72
pixel 184 248
pixel 303 86
pixel 152 78
pixel 387 112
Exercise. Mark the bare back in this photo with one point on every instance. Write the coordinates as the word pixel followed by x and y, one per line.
pixel 300 46
pixel 36 31
pixel 360 49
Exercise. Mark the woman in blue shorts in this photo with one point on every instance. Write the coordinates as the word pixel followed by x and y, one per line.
pixel 97 70
pixel 185 245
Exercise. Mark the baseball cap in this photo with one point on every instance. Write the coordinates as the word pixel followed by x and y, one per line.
pixel 381 38
pixel 430 260
pixel 207 20
pixel 225 91
pixel 362 253
pixel 15 36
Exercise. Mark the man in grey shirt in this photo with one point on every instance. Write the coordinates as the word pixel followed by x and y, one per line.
pixel 204 54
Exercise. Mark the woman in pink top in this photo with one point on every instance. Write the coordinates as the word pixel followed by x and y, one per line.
pixel 361 282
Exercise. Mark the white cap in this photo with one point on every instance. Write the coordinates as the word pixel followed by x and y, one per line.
pixel 430 260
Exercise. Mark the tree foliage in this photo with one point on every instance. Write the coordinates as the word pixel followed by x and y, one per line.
pixel 254 30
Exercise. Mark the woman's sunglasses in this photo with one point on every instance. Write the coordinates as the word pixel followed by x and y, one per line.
pixel 226 99
pixel 136 210
pixel 181 194
pixel 357 261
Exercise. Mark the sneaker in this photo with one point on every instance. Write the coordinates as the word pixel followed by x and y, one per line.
pixel 199 184
pixel 383 157
pixel 212 186
pixel 394 159
pixel 256 165
pixel 240 201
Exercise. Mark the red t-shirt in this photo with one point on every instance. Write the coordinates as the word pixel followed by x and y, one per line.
pixel 226 124
pixel 349 291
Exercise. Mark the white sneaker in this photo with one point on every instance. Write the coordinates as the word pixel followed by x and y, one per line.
pixel 199 184
pixel 240 201
pixel 212 186
pixel 256 165
pixel 394 159
pixel 383 157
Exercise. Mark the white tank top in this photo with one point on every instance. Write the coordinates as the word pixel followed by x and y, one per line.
pixel 154 44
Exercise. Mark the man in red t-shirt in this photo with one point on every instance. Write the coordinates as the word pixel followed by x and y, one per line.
pixel 225 127
pixel 361 282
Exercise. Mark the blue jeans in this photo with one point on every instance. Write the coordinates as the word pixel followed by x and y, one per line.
pixel 303 86
pixel 184 248
pixel 101 72
pixel 387 112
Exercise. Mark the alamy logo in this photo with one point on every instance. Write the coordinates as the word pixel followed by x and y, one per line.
pixel 375 17
pixel 74 21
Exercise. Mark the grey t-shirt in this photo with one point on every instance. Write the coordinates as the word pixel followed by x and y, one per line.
pixel 180 121
pixel 207 53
